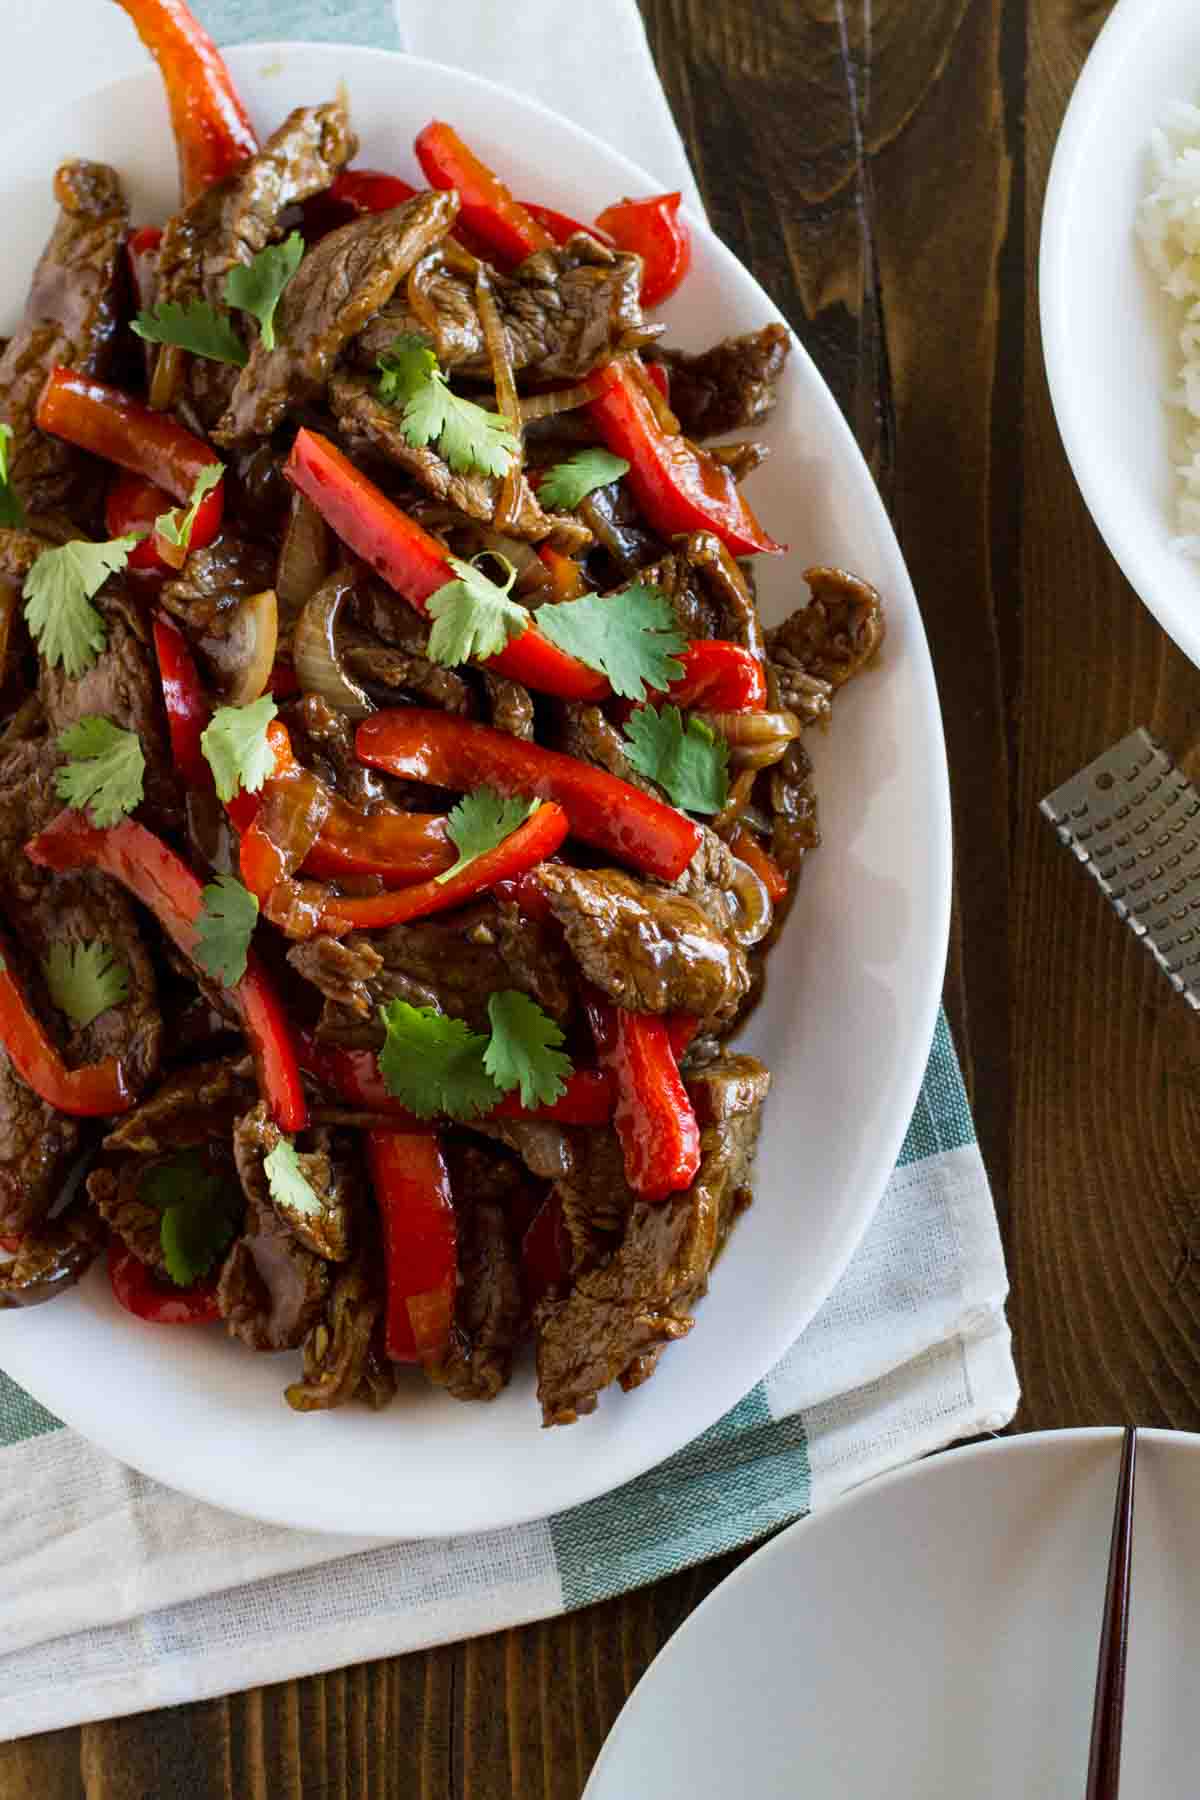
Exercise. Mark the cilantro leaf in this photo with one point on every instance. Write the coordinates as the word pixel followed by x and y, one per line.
pixel 194 326
pixel 200 1213
pixel 569 482
pixel 524 1051
pixel 11 510
pixel 237 748
pixel 105 771
pixel 480 821
pixel 176 525
pixel 255 286
pixel 289 1184
pixel 57 592
pixel 84 980
pixel 692 765
pixel 473 616
pixel 434 1064
pixel 467 435
pixel 224 929
pixel 631 637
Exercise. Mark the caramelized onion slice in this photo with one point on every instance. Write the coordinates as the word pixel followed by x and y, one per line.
pixel 755 739
pixel 303 558
pixel 244 655
pixel 752 921
pixel 314 649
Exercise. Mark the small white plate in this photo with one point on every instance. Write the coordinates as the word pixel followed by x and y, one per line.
pixel 1107 331
pixel 934 1637
pixel 852 990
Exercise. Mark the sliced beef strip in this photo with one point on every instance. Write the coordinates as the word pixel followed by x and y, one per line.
pixel 509 705
pixel 323 739
pixel 366 423
pixel 236 218
pixel 490 1190
pixel 708 591
pixel 342 281
pixel 564 311
pixel 272 1290
pixel 214 579
pixel 52 1261
pixel 836 634
pixel 122 685
pixel 344 1355
pixel 790 800
pixel 649 949
pixel 392 654
pixel 37 1147
pixel 327 1229
pixel 72 316
pixel 595 1197
pixel 113 1193
pixel 617 1318
pixel 453 964
pixel 729 387
pixel 585 732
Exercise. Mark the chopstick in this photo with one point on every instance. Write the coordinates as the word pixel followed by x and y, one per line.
pixel 1108 1708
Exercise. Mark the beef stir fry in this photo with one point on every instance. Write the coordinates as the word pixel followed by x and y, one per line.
pixel 399 793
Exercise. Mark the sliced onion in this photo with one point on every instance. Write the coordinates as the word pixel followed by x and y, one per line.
pixel 244 655
pixel 558 400
pixel 303 558
pixel 755 739
pixel 314 649
pixel 753 918
pixel 168 373
pixel 500 356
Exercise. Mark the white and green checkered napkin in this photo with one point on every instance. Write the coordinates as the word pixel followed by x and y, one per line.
pixel 117 1594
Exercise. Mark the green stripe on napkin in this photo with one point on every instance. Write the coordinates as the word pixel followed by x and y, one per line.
pixel 370 22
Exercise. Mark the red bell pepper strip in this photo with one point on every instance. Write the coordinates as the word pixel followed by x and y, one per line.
pixel 720 676
pixel 486 208
pixel 532 842
pixel 137 1288
pixel 133 504
pixel 351 194
pixel 12 1244
pixel 142 249
pixel 91 1092
pixel 745 845
pixel 213 135
pixel 292 809
pixel 113 425
pixel 561 226
pixel 545 1250
pixel 655 232
pixel 188 711
pixel 397 846
pixel 565 573
pixel 353 1075
pixel 420 1241
pixel 678 486
pixel 162 881
pixel 415 564
pixel 654 1119
pixel 603 810
pixel 657 373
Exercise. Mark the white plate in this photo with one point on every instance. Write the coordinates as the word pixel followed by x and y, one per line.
pixel 849 1015
pixel 1108 334
pixel 934 1637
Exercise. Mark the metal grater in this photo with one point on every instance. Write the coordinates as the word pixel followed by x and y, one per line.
pixel 1134 821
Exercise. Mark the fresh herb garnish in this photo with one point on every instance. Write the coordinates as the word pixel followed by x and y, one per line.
pixel 105 772
pixel 567 483
pixel 85 980
pixel 237 748
pixel 195 326
pixel 525 1049
pixel 630 637
pixel 692 764
pixel 12 513
pixel 473 616
pixel 289 1184
pixel 481 821
pixel 176 526
pixel 468 436
pixel 200 1212
pixel 255 286
pixel 435 1064
pixel 224 928
pixel 58 590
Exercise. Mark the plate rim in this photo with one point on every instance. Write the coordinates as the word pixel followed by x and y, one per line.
pixel 940 855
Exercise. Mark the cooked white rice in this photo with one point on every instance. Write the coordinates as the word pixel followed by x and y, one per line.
pixel 1168 224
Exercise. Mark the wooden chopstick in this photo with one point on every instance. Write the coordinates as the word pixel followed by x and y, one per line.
pixel 1108 1708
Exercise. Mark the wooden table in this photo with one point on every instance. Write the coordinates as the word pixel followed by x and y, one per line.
pixel 886 188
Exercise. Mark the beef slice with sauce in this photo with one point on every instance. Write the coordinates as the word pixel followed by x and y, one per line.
pixel 341 283
pixel 617 1319
pixel 272 1289
pixel 491 1191
pixel 730 386
pixel 647 948
pixel 72 316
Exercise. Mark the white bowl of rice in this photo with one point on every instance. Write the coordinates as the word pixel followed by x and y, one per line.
pixel 1119 279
